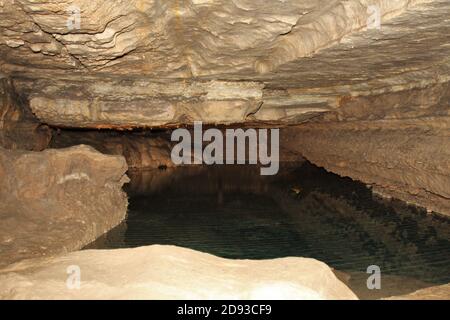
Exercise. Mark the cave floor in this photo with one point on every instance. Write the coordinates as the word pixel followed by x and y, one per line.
pixel 304 211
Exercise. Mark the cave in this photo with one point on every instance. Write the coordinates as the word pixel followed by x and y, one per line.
pixel 225 149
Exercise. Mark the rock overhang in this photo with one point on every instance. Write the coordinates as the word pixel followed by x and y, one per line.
pixel 322 57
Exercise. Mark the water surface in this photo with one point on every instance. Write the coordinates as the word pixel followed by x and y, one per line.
pixel 304 211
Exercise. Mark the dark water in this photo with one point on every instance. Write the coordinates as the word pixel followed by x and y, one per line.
pixel 304 211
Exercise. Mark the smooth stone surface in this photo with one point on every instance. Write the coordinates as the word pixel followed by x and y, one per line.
pixel 168 272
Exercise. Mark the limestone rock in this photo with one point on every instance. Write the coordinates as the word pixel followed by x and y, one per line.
pixel 57 200
pixel 405 159
pixel 163 63
pixel 167 272
pixel 141 151
pixel 19 129
pixel 148 63
pixel 432 293
pixel 179 37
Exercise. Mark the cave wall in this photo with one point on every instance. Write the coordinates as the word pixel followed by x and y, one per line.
pixel 56 201
pixel 19 129
pixel 369 103
pixel 142 150
pixel 399 143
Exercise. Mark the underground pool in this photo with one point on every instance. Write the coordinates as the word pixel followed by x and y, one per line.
pixel 304 211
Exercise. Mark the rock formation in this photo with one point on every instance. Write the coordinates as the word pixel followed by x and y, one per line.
pixel 405 159
pixel 57 200
pixel 360 87
pixel 167 272
pixel 141 151
pixel 153 63
pixel 373 76
pixel 19 129
pixel 432 293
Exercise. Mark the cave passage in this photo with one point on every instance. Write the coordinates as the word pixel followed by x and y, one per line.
pixel 344 105
pixel 304 211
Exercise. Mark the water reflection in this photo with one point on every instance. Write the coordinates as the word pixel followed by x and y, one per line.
pixel 233 212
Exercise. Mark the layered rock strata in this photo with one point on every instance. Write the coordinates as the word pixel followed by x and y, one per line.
pixel 377 94
pixel 179 38
pixel 140 150
pixel 153 63
pixel 402 152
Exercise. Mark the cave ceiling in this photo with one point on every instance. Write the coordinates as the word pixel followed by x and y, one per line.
pixel 150 63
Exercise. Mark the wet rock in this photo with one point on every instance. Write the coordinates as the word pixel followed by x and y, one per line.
pixel 57 200
pixel 167 272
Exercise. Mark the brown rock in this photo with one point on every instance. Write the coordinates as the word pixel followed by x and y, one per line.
pixel 432 293
pixel 405 159
pixel 140 151
pixel 19 129
pixel 57 200
pixel 139 64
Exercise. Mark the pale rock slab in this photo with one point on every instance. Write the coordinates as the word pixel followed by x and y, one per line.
pixel 168 272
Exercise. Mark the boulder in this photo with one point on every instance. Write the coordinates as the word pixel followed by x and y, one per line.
pixel 168 272
pixel 57 200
